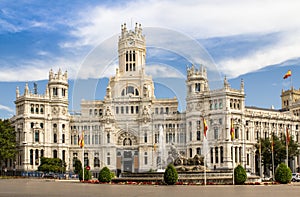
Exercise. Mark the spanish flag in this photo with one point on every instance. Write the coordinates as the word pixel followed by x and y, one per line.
pixel 272 143
pixel 205 127
pixel 231 129
pixel 287 74
pixel 287 136
pixel 81 140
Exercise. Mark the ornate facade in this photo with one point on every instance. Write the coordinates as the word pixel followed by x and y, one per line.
pixel 130 129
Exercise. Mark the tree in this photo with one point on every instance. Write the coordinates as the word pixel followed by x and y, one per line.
pixel 240 175
pixel 87 175
pixel 283 174
pixel 78 166
pixel 105 175
pixel 7 141
pixel 170 175
pixel 52 165
pixel 279 146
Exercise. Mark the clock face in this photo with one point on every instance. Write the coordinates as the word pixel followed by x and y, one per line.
pixel 130 42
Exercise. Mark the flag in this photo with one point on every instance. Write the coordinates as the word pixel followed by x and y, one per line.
pixel 287 136
pixel 205 127
pixel 272 143
pixel 155 147
pixel 231 129
pixel 81 140
pixel 287 74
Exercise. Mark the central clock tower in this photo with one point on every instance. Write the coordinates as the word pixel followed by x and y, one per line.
pixel 132 51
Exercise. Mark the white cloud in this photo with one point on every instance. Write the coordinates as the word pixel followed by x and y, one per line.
pixel 164 71
pixel 199 19
pixel 31 70
pixel 2 107
pixel 287 48
pixel 196 18
pixel 91 26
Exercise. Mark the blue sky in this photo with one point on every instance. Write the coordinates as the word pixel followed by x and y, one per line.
pixel 254 40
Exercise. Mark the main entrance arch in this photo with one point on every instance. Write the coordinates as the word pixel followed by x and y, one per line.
pixel 127 153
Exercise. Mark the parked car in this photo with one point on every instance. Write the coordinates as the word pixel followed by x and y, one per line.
pixel 50 176
pixel 295 177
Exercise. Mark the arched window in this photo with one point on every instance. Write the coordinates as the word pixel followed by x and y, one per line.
pixel 55 138
pixel 130 90
pixel 222 154
pixel 54 153
pixel 31 157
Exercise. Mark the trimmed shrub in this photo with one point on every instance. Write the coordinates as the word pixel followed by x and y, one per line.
pixel 105 175
pixel 240 175
pixel 87 175
pixel 170 175
pixel 78 166
pixel 283 174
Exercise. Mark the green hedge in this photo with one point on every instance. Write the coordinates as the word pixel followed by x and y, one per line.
pixel 240 175
pixel 283 174
pixel 170 175
pixel 87 175
pixel 105 175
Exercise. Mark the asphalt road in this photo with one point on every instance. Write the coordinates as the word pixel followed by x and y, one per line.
pixel 45 188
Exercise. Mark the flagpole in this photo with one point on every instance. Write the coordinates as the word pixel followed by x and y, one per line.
pixel 205 167
pixel 272 145
pixel 232 163
pixel 287 147
pixel 83 163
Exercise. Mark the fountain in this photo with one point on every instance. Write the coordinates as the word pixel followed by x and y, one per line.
pixel 161 158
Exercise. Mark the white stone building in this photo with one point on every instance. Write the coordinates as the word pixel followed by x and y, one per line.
pixel 122 131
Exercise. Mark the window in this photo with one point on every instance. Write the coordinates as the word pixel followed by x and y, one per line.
pixel 167 110
pixel 211 155
pixel 31 125
pixel 31 157
pixel 236 133
pixel 136 109
pixel 63 138
pixel 156 138
pixel 54 153
pixel 55 91
pixel 108 138
pixel 42 153
pixel 32 109
pixel 198 151
pixel 74 159
pixel 198 135
pixel 63 92
pixel 217 154
pixel 222 154
pixel 36 136
pixel 96 139
pixel 132 109
pixel 108 159
pixel 41 125
pixel 191 152
pixel 63 155
pixel 55 138
pixel 42 109
pixel 145 158
pixel 216 133
pixel 197 87
pixel 96 160
pixel 145 138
